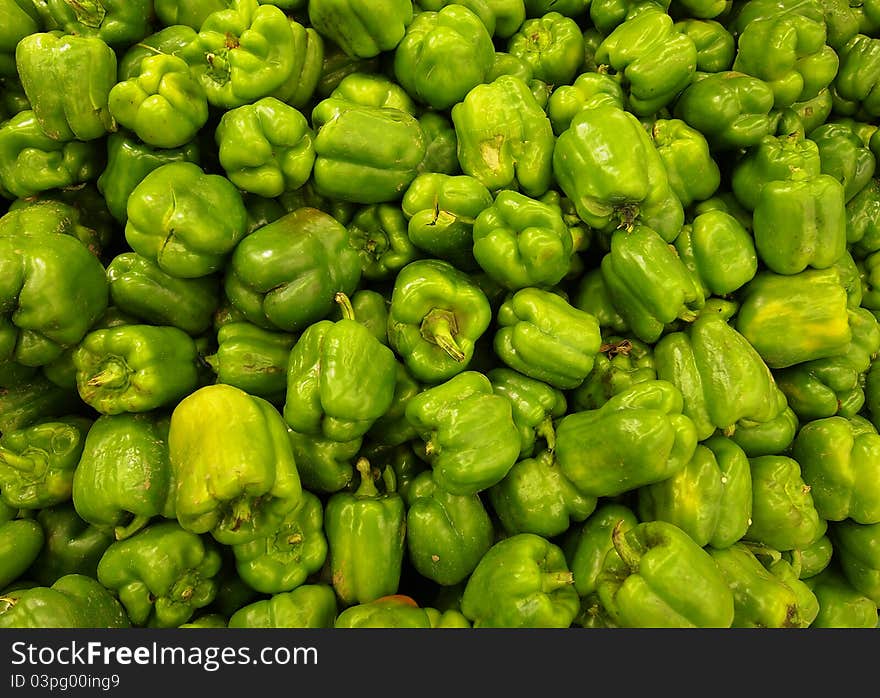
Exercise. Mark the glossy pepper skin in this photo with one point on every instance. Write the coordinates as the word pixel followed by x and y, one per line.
pixel 365 532
pixel 844 156
pixel 266 147
pixel 692 171
pixel 855 85
pixel 710 499
pixel 422 62
pixel 505 138
pixel 522 581
pixel 128 162
pixel 390 611
pixel 441 210
pixel 34 398
pixel 656 61
pixel 520 242
pixel 731 109
pixel 392 429
pixel 284 559
pixel 307 606
pixel 470 437
pixel 140 287
pixel 116 22
pixel 184 219
pixel 715 44
pixel 588 90
pixel 768 438
pixel 378 233
pixel 162 574
pixel 135 368
pixel 446 534
pixel 73 601
pixel 840 604
pixel 437 314
pixel 855 548
pixel 308 49
pixel 124 479
pixel 535 406
pixel 552 45
pixel 328 360
pixel 325 466
pixel 31 162
pixel 37 462
pixel 544 337
pixel 52 216
pixel 648 283
pixel 232 463
pixel 362 29
pixel 606 163
pixel 165 106
pixel 285 275
pixel 642 580
pixel 839 458
pixel 20 543
pixel 589 444
pixel 711 362
pixel 620 363
pixel 67 79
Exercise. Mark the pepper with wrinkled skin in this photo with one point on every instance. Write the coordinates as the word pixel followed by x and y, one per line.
pixel 161 575
pixel 72 546
pixel 656 576
pixel 710 499
pixel 328 360
pixel 369 89
pixel 135 368
pixel 284 559
pixel 620 363
pixel 365 532
pixel 840 604
pixel 544 337
pixel 67 79
pixel 324 465
pixel 535 406
pixel 285 275
pixel 232 463
pixel 856 551
pixel 470 437
pixel 378 233
pixel 437 314
pixel 607 165
pixel 638 437
pixel 505 138
pixel 123 478
pixel 20 543
pixel 552 45
pixel 307 606
pixel 265 147
pixel 446 534
pixel 522 581
pixel 53 217
pixel 73 601
pixel 692 172
pixel 813 559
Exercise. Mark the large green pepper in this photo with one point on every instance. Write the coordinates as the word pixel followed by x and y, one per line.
pixel 656 576
pixel 839 459
pixel 470 437
pixel 535 406
pixel 856 549
pixel 307 606
pixel 840 604
pixel 710 499
pixel 365 533
pixel 284 559
pixel 328 360
pixel 505 138
pixel 446 534
pixel 232 463
pixel 72 546
pixel 638 437
pixel 123 479
pixel 522 581
pixel 162 574
pixel 285 275
pixel 266 147
pixel 128 162
pixel 422 60
pixel 21 541
pixel 37 462
pixel 620 363
pixel 67 79
pixel 360 28
pixel 135 368
pixel 378 233
pixel 552 45
pixel 73 601
pixel 437 314
pixel 544 337
pixel 184 219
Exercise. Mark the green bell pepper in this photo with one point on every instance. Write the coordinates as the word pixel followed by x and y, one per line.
pixel 174 13
pixel 52 217
pixel 606 15
pixel 855 86
pixel 73 601
pixel 620 363
pixel 768 438
pixel 308 50
pixel 692 172
pixel 844 156
pixel 392 429
pixel 446 534
pixel 284 559
pixel 365 534
pixel 285 275
pixel 378 233
pixel 362 29
pixel 307 606
pixel 161 575
pixel 522 581
pixel 840 604
pixel 656 576
pixel 21 541
pixel 172 40
pixel 34 399
pixel 552 46
pixel 441 144
pixel 589 90
pixel 369 89
pixel 324 465
pixel 638 437
pixel 119 23
pixel 544 337
pixel 715 44
pixel 471 440
pixel 266 147
pixel 855 549
pixel 123 478
pixel 20 19
pixel 232 463
pixel 390 611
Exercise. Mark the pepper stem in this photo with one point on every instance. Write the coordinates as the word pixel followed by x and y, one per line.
pixel 367 487
pixel 114 374
pixel 16 461
pixel 627 553
pixel 133 526
pixel 546 431
pixel 440 327
pixel 345 304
